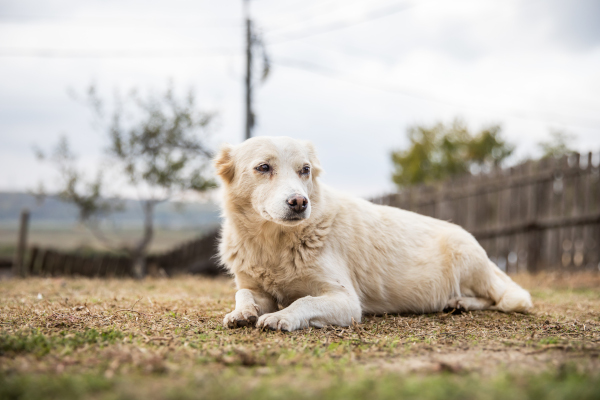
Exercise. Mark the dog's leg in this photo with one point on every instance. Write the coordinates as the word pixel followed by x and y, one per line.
pixel 470 303
pixel 512 297
pixel 249 305
pixel 332 309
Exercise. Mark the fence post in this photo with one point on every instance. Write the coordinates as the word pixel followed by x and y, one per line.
pixel 19 267
pixel 43 266
pixel 535 204
pixel 33 255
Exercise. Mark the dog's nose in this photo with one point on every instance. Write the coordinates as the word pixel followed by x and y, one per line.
pixel 298 203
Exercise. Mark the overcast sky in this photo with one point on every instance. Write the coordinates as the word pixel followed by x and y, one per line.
pixel 349 75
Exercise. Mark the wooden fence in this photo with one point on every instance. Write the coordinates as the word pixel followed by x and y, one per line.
pixel 196 256
pixel 536 216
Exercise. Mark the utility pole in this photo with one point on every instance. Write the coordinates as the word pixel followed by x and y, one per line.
pixel 249 113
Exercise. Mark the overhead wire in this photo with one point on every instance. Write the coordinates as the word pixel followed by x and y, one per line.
pixel 289 63
pixel 136 53
pixel 371 16
pixel 337 75
pixel 334 74
pixel 320 4
pixel 118 53
pixel 113 21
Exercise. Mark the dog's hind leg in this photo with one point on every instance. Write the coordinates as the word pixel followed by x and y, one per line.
pixel 470 303
pixel 514 298
pixel 485 285
pixel 489 282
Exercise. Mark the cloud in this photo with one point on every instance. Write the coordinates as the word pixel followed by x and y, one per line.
pixel 572 23
pixel 530 65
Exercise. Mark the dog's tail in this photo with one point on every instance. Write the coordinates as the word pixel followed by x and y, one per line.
pixel 513 298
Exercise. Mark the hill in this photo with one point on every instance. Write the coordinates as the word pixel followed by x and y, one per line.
pixel 56 213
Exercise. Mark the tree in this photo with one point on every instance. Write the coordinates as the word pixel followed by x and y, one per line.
pixel 157 144
pixel 440 151
pixel 558 144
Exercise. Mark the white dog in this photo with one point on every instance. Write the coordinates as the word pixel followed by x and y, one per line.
pixel 325 258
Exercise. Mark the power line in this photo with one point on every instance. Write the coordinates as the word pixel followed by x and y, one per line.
pixel 288 6
pixel 118 53
pixel 112 21
pixel 335 74
pixel 302 21
pixel 371 16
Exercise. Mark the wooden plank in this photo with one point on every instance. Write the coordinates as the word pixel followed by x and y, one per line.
pixel 19 266
pixel 33 258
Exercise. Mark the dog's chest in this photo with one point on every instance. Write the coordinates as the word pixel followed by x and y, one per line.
pixel 285 264
pixel 286 276
pixel 287 272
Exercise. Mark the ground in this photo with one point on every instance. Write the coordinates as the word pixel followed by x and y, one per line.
pixel 63 338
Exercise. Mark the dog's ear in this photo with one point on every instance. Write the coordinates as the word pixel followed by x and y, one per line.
pixel 314 160
pixel 224 163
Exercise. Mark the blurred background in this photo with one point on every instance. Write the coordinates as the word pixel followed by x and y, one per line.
pixel 393 94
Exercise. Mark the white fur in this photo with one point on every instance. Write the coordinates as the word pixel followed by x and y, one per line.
pixel 346 256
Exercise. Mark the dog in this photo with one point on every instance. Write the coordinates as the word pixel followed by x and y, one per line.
pixel 304 254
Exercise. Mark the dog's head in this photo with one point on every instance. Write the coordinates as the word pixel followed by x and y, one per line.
pixel 272 177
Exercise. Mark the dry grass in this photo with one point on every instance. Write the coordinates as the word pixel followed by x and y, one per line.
pixel 162 338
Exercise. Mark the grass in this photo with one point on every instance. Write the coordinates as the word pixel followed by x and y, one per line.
pixel 163 338
pixel 37 343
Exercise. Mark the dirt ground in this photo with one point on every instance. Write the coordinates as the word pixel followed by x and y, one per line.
pixel 163 338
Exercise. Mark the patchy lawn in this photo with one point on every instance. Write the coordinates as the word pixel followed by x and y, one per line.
pixel 162 338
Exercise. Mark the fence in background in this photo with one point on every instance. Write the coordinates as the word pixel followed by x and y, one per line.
pixel 195 256
pixel 536 216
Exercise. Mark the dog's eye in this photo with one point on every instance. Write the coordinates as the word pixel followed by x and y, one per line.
pixel 305 170
pixel 263 168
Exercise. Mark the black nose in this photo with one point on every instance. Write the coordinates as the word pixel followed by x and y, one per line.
pixel 297 203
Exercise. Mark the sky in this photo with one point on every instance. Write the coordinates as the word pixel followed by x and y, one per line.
pixel 349 75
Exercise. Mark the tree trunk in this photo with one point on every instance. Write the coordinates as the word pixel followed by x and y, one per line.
pixel 138 256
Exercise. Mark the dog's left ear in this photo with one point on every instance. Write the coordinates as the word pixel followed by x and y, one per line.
pixel 314 160
pixel 224 163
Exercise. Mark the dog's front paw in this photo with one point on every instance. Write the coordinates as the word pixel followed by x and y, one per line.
pixel 280 321
pixel 239 318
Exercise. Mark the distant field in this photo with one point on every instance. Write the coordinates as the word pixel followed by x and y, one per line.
pixel 76 236
pixel 53 223
pixel 162 338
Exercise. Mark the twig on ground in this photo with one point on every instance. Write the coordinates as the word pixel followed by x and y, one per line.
pixel 128 310
pixel 131 309
pixel 137 301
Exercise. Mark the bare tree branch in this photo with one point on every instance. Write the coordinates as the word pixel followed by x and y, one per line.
pixel 155 142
